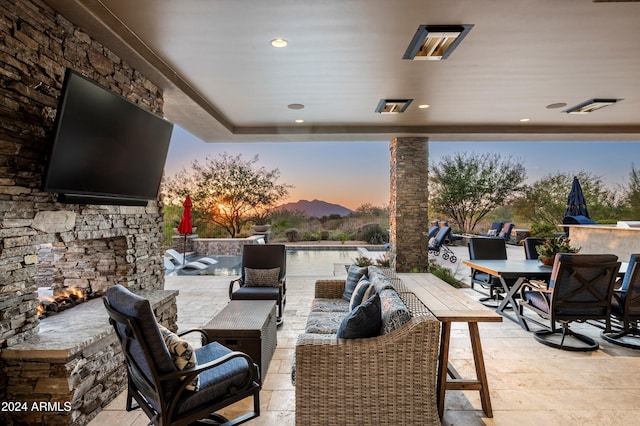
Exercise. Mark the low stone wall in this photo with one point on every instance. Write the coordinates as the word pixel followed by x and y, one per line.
pixel 214 246
pixel 69 372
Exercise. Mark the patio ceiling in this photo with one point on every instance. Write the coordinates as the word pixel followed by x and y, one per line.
pixel 224 82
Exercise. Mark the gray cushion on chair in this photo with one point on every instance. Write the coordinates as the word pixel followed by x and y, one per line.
pixel 256 293
pixel 130 304
pixel 216 381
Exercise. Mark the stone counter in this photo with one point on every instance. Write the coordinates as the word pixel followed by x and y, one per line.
pixel 595 239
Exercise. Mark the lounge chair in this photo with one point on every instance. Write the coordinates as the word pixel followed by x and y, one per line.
pixel 171 265
pixel 436 245
pixel 432 232
pixel 494 229
pixel 505 231
pixel 174 383
pixel 179 257
pixel 580 289
pixel 263 276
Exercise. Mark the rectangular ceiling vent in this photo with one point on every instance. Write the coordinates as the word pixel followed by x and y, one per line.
pixel 591 105
pixel 393 106
pixel 435 42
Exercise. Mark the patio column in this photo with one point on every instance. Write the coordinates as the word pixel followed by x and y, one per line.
pixel 408 215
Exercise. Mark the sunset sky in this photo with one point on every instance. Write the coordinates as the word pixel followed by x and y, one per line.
pixel 354 173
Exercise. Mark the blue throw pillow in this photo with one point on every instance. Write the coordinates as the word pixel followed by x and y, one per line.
pixel 353 276
pixel 358 293
pixel 364 321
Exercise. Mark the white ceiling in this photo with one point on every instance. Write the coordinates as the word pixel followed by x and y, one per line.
pixel 224 82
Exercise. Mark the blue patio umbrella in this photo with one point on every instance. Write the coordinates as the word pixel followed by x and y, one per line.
pixel 576 204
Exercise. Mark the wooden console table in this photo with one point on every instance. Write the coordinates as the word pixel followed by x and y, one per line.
pixel 451 305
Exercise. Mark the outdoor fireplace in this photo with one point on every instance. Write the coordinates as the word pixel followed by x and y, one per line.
pixel 68 274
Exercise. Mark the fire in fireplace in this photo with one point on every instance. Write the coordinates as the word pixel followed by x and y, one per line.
pixel 63 299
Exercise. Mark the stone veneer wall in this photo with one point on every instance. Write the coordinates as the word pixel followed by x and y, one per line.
pixel 78 372
pixel 36 46
pixel 408 209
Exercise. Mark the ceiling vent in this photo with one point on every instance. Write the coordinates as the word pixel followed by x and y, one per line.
pixel 435 42
pixel 590 106
pixel 393 106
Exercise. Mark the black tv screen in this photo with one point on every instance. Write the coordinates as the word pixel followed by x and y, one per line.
pixel 106 150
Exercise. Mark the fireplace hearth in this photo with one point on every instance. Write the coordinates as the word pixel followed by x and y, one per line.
pixel 76 360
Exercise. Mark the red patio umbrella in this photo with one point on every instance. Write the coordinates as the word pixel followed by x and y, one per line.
pixel 186 225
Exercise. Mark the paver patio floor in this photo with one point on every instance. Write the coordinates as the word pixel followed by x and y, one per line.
pixel 530 384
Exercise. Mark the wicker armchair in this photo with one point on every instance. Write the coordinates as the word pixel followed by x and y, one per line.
pixel 388 379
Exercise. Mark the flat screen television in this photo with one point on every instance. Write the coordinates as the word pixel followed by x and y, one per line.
pixel 106 149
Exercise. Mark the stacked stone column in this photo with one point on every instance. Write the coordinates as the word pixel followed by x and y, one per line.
pixel 408 209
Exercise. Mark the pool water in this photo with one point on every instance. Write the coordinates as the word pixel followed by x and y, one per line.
pixel 301 262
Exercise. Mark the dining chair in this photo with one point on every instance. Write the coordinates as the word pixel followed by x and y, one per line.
pixel 580 289
pixel 481 248
pixel 625 307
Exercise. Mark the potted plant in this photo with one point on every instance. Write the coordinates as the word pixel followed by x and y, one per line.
pixel 261 221
pixel 547 250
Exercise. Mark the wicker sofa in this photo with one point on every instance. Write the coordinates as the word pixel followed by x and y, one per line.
pixel 386 379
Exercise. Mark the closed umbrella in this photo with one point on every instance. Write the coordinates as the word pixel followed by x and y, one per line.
pixel 576 204
pixel 186 225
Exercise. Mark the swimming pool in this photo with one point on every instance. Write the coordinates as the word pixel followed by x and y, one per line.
pixel 300 262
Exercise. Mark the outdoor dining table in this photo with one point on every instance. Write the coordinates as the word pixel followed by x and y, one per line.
pixel 520 270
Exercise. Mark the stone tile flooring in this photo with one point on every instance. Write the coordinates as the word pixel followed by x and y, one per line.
pixel 530 384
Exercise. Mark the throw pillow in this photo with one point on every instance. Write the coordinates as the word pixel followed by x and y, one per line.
pixel 261 277
pixel 353 276
pixel 358 293
pixel 364 321
pixel 182 354
pixel 433 242
pixel 492 233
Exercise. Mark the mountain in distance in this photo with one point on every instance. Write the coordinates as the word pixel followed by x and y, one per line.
pixel 316 208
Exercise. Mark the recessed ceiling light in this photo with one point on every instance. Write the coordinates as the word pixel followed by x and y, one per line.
pixel 524 120
pixel 299 121
pixel 393 106
pixel 423 106
pixel 590 106
pixel 295 106
pixel 435 42
pixel 279 42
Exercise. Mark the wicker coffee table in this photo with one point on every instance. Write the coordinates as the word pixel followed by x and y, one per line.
pixel 247 326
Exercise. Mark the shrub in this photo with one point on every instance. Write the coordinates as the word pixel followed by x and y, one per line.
pixel 542 230
pixel 342 237
pixel 444 273
pixel 384 261
pixel 324 235
pixel 372 233
pixel 292 235
pixel 362 261
pixel 310 236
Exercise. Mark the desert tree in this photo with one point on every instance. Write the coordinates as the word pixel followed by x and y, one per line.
pixel 631 195
pixel 228 190
pixel 545 200
pixel 466 187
